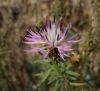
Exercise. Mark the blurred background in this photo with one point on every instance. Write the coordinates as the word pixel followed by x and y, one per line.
pixel 17 69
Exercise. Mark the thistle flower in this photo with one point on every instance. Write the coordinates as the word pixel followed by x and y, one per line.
pixel 51 35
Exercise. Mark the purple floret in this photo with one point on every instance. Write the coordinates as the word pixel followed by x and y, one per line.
pixel 51 36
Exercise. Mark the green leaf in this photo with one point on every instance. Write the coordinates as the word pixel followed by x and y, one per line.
pixel 45 62
pixel 58 85
pixel 47 74
pixel 37 61
pixel 87 82
pixel 77 84
pixel 54 73
pixel 72 78
pixel 72 73
pixel 68 66
pixel 57 68
pixel 82 22
pixel 51 80
pixel 57 81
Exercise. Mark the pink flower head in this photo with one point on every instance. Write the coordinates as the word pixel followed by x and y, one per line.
pixel 51 35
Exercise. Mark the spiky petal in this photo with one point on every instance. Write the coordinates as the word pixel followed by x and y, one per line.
pixel 51 35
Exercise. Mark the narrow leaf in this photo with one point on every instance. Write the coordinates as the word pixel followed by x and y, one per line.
pixel 72 78
pixel 47 74
pixel 51 80
pixel 77 84
pixel 54 73
pixel 45 62
pixel 87 82
pixel 72 73
pixel 57 86
pixel 68 66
